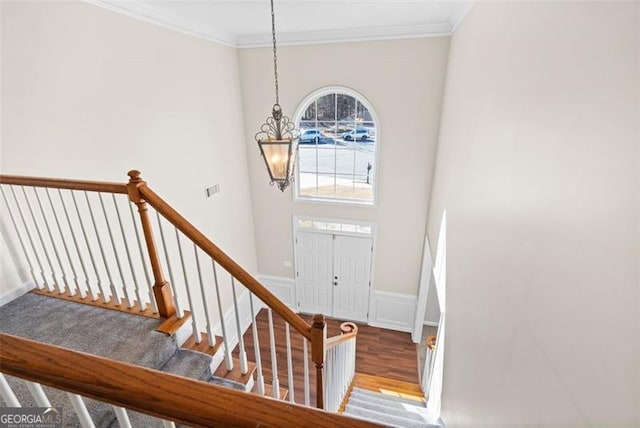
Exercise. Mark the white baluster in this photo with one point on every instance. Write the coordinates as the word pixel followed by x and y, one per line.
pixel 274 362
pixel 123 418
pixel 152 298
pixel 115 254
pixel 81 410
pixel 94 296
pixel 343 369
pixel 353 358
pixel 112 287
pixel 22 245
pixel 227 350
pixel 8 396
pixel 33 246
pixel 211 338
pixel 83 293
pixel 129 259
pixel 38 394
pixel 44 247
pixel 305 359
pixel 256 347
pixel 194 324
pixel 289 362
pixel 328 383
pixel 337 384
pixel 179 311
pixel 66 248
pixel 53 244
pixel 242 354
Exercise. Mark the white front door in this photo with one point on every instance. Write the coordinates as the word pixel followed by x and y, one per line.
pixel 315 272
pixel 333 275
pixel 351 274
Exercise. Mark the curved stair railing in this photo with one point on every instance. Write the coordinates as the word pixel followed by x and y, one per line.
pixel 82 241
pixel 173 399
pixel 341 366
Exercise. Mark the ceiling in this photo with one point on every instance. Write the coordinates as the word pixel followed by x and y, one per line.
pixel 247 23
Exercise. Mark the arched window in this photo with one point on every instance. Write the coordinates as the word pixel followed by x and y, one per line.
pixel 338 146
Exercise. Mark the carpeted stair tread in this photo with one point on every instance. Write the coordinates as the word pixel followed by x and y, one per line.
pixel 383 401
pixel 194 365
pixel 220 381
pixel 383 418
pixel 407 411
pixel 97 331
pixel 94 330
pixel 365 394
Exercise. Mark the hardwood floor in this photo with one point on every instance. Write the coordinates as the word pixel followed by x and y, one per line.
pixel 379 352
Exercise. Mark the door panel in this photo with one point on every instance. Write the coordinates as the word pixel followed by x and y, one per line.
pixel 352 272
pixel 315 272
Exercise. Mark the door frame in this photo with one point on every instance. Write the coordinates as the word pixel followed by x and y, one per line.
pixel 316 227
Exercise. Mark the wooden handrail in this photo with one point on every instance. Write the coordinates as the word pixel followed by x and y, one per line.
pixel 349 331
pixel 205 244
pixel 58 183
pixel 156 393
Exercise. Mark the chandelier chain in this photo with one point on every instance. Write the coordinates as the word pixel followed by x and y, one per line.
pixel 275 57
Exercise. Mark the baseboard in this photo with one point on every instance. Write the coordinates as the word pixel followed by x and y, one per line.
pixel 393 311
pixel 283 288
pixel 430 323
pixel 13 294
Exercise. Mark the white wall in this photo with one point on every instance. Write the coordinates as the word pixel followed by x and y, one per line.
pixel 403 80
pixel 538 169
pixel 91 94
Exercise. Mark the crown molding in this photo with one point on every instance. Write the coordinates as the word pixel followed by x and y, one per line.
pixel 146 12
pixel 348 35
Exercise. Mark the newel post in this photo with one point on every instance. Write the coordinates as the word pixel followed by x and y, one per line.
pixel 161 288
pixel 318 351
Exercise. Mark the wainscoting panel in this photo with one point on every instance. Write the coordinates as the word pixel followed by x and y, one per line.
pixel 393 311
pixel 283 288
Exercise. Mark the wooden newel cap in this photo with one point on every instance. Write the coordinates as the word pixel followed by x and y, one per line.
pixel 134 176
pixel 348 327
pixel 318 321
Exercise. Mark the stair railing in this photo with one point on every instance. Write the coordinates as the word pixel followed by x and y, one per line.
pixel 79 244
pixel 225 273
pixel 173 399
pixel 341 366
pixel 77 240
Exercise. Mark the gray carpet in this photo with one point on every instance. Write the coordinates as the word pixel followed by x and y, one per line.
pixel 102 332
pixel 388 410
pixel 97 331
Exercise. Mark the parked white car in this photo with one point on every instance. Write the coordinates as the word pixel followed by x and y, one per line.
pixel 358 134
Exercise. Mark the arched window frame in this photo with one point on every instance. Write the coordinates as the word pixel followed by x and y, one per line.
pixel 301 108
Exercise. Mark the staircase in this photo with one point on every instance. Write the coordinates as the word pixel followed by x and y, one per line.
pixel 156 293
pixel 389 410
pixel 116 335
pixel 390 402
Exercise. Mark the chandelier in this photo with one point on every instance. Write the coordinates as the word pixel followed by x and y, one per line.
pixel 278 136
